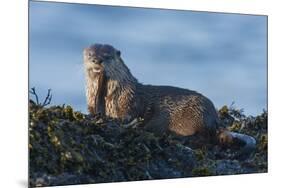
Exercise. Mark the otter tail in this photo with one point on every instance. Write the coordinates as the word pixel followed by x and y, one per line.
pixel 247 142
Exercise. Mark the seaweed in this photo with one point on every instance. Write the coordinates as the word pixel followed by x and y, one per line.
pixel 69 147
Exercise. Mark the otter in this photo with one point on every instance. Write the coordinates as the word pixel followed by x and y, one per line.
pixel 113 91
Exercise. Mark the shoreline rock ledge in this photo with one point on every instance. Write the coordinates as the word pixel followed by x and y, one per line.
pixel 67 147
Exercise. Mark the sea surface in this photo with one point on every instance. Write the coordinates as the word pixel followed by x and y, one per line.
pixel 223 56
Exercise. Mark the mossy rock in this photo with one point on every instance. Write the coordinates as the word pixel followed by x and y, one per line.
pixel 69 147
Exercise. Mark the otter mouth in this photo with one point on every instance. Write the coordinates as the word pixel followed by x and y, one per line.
pixel 96 69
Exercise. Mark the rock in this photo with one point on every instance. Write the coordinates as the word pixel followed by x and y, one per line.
pixel 228 167
pixel 67 147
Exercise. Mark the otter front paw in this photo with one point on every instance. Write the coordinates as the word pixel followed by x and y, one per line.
pixel 91 110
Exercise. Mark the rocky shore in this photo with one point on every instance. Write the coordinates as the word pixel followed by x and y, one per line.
pixel 67 147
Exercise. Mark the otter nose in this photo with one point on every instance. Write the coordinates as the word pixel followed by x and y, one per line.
pixel 97 61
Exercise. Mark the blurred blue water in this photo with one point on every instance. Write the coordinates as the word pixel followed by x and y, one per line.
pixel 220 55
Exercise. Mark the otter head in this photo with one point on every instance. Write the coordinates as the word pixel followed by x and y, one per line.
pixel 102 59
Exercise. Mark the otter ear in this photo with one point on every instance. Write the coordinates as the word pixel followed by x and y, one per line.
pixel 118 53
